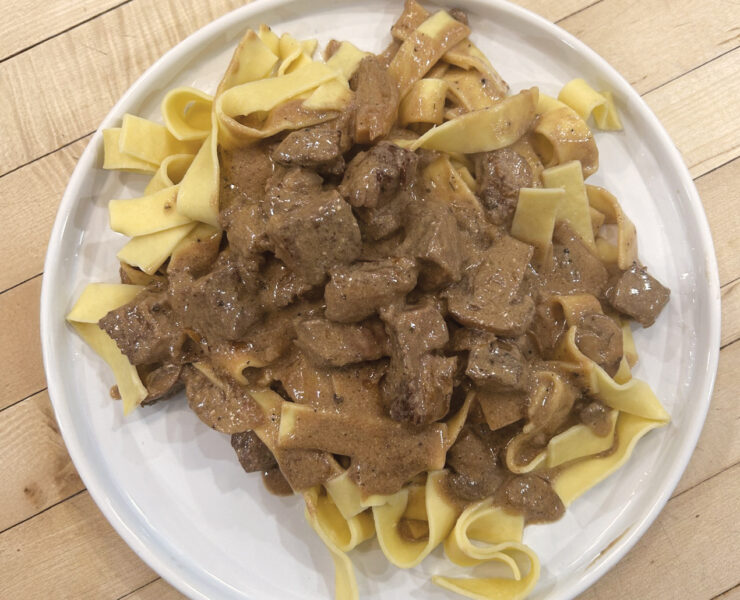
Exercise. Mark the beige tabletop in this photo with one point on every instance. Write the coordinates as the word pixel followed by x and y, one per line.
pixel 64 63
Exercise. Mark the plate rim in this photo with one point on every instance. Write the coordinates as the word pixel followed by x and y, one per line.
pixel 166 566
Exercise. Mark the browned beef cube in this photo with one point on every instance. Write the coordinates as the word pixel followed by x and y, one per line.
pixel 329 344
pixel 288 189
pixel 244 172
pixel 376 176
pixel 162 382
pixel 376 100
pixel 476 472
pixel 145 329
pixel 357 291
pixel 575 269
pixel 245 226
pixel 316 236
pixel 490 297
pixel 415 330
pixel 279 286
pixel 501 174
pixel 383 220
pixel 600 338
pixel 639 295
pixel 433 237
pixel 316 146
pixel 497 365
pixel 252 453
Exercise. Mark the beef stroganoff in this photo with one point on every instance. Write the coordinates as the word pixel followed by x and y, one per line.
pixel 385 277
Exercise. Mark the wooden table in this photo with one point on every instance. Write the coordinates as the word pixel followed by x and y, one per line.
pixel 62 66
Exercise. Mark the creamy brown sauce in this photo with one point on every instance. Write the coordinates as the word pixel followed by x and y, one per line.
pixel 358 280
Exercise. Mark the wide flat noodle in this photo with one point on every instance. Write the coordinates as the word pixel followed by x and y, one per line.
pixel 148 252
pixel 145 215
pixel 346 59
pixel 606 203
pixel 484 130
pixel 187 113
pixel 149 141
pixel 579 441
pixel 425 103
pixel 170 172
pixel 586 101
pixel 487 533
pixel 438 512
pixel 574 207
pixel 466 55
pixel 96 301
pixel 197 197
pixel 560 136
pixel 114 159
pixel 470 91
pixel 534 218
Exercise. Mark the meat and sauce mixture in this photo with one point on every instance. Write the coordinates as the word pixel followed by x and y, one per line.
pixel 359 287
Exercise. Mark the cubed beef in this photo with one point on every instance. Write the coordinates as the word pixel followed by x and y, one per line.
pixel 415 330
pixel 244 172
pixel 314 237
pixel 575 268
pixel 145 329
pixel 489 297
pixel 245 226
pixel 501 409
pixel 600 339
pixel 375 177
pixel 252 453
pixel 500 175
pixel 162 382
pixel 638 295
pixel 497 365
pixel 358 291
pixel 548 326
pixel 385 219
pixel 474 465
pixel 290 188
pixel 533 497
pixel 320 146
pixel 221 305
pixel 280 286
pixel 376 100
pixel 226 407
pixel 596 416
pixel 432 237
pixel 329 344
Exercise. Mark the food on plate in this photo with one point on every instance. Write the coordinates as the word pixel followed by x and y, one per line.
pixel 385 277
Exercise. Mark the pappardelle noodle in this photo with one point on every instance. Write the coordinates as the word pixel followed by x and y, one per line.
pixel 386 279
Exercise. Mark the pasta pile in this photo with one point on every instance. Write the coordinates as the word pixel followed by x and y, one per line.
pixel 454 99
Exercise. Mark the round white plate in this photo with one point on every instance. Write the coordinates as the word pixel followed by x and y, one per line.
pixel 173 488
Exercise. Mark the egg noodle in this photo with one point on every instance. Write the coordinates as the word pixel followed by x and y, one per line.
pixel 459 104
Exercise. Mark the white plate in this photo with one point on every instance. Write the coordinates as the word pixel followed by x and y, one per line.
pixel 172 487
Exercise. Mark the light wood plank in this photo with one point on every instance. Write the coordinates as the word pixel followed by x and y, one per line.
pixel 22 373
pixel 32 21
pixel 689 552
pixel 31 196
pixel 731 594
pixel 36 470
pixel 88 69
pixel 156 590
pixel 698 111
pixel 69 551
pixel 652 42
pixel 718 191
pixel 730 312
pixel 719 444
pixel 555 11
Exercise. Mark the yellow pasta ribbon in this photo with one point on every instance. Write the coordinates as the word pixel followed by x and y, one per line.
pixel 606 203
pixel 574 206
pixel 170 172
pixel 500 533
pixel 439 513
pixel 145 215
pixel 187 113
pixel 346 59
pixel 149 141
pixel 148 252
pixel 96 301
pixel 113 158
pixel 561 136
pixel 483 130
pixel 534 218
pixel 586 101
pixel 424 103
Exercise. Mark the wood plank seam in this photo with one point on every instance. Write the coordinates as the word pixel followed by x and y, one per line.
pixel 727 591
pixel 33 516
pixel 63 31
pixel 580 10
pixel 141 587
pixel 12 287
pixel 728 344
pixel 17 402
pixel 62 147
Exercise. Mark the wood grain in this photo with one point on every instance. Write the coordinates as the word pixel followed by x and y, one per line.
pixel 22 373
pixel 36 470
pixel 730 312
pixel 33 21
pixel 603 27
pixel 156 590
pixel 69 551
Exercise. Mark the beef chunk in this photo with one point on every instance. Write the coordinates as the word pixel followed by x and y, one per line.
pixel 288 189
pixel 222 304
pixel 501 174
pixel 497 365
pixel 418 385
pixel 329 344
pixel 501 409
pixel 320 146
pixel 314 237
pixel 548 326
pixel 373 178
pixel 638 295
pixel 383 220
pixel 226 407
pixel 600 339
pixel 489 297
pixel 532 496
pixel 162 382
pixel 432 236
pixel 376 100
pixel 145 329
pixel 595 416
pixel 279 286
pixel 244 172
pixel 245 225
pixel 575 269
pixel 474 463
pixel 252 453
pixel 357 291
